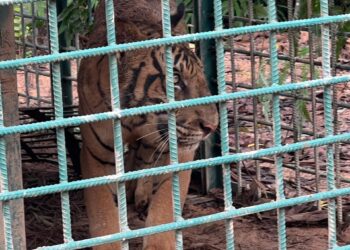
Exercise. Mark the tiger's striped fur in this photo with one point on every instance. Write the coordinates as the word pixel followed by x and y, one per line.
pixel 141 82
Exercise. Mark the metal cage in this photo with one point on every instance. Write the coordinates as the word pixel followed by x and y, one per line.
pixel 214 40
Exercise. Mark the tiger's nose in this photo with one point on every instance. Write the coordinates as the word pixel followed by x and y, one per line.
pixel 207 127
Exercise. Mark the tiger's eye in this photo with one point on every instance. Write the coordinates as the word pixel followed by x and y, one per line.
pixel 176 78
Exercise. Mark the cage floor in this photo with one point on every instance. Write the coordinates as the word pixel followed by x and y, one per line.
pixel 306 225
pixel 306 230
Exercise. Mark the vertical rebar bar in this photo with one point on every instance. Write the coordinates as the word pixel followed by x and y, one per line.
pixel 117 129
pixel 337 166
pixel 277 127
pixel 170 92
pixel 220 64
pixel 328 114
pixel 58 105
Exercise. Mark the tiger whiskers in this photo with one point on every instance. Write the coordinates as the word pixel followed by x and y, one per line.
pixel 159 130
pixel 161 151
pixel 160 146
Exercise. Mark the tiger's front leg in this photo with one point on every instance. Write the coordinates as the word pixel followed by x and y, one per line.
pixel 100 202
pixel 160 210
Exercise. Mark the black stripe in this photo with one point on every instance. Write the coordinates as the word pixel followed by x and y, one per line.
pixel 105 146
pixel 185 57
pixel 97 158
pixel 177 58
pixel 155 101
pixel 163 152
pixel 134 146
pixel 147 146
pixel 143 121
pixel 99 61
pixel 191 69
pixel 143 160
pixel 163 130
pixel 155 63
pixel 130 90
pixel 162 113
pixel 158 185
pixel 104 97
pixel 149 81
pixel 185 127
pixel 126 126
pixel 181 133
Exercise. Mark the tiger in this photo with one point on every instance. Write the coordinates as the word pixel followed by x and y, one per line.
pixel 142 81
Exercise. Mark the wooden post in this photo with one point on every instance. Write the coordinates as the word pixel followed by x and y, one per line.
pixel 10 107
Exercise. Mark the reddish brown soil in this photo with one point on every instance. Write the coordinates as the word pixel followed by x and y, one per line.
pixel 251 232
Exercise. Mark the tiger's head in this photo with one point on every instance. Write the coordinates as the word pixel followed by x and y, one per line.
pixel 144 83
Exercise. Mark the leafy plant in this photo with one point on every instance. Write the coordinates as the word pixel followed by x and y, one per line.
pixel 25 28
pixel 340 7
pixel 74 19
pixel 264 81
pixel 17 23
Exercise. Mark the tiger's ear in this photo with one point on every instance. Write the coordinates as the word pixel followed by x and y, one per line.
pixel 178 15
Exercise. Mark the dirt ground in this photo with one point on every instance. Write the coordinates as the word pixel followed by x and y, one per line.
pixel 44 227
pixel 43 220
pixel 306 225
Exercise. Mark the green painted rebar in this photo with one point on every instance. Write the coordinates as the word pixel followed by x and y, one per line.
pixel 78 120
pixel 117 129
pixel 58 105
pixel 172 40
pixel 277 128
pixel 227 159
pixel 171 106
pixel 170 92
pixel 342 247
pixel 333 33
pixel 226 170
pixel 328 116
pixel 204 219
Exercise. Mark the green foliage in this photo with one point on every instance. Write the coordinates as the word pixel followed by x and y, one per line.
pixel 74 19
pixel 264 81
pixel 17 23
pixel 24 27
pixel 240 9
pixel 340 7
pixel 40 11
